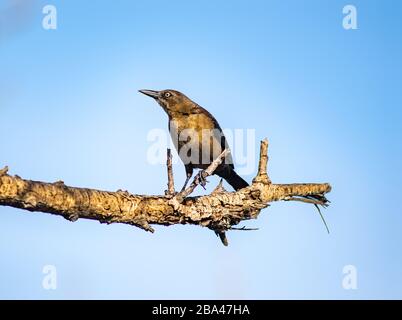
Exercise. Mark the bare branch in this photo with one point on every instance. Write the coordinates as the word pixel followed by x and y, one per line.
pixel 219 211
pixel 307 200
pixel 170 191
pixel 262 176
pixel 222 236
pixel 244 229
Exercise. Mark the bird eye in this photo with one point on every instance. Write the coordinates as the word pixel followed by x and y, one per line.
pixel 167 94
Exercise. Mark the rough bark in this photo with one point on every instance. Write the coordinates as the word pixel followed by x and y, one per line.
pixel 219 211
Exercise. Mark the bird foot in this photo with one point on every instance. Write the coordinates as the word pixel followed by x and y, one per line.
pixel 201 178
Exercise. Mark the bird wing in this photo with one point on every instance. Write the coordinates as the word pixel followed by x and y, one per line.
pixel 218 136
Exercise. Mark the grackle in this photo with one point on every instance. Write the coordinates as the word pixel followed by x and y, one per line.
pixel 197 136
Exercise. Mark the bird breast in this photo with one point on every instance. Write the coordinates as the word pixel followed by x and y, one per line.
pixel 197 139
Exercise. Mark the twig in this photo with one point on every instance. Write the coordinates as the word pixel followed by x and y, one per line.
pixel 316 200
pixel 170 191
pixel 307 200
pixel 244 229
pixel 322 217
pixel 262 176
pixel 222 236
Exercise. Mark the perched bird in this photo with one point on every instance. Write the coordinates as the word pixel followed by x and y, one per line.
pixel 197 136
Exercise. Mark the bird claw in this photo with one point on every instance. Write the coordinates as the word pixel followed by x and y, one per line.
pixel 202 179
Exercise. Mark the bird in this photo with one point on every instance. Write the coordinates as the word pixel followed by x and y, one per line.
pixel 197 136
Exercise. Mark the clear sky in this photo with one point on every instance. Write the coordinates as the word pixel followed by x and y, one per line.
pixel 328 99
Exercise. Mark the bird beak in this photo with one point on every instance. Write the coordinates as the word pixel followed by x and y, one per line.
pixel 150 93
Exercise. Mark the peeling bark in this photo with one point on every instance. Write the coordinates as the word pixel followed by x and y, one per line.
pixel 218 211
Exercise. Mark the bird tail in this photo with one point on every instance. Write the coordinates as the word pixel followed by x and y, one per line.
pixel 232 178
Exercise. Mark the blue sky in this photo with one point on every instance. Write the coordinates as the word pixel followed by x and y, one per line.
pixel 328 99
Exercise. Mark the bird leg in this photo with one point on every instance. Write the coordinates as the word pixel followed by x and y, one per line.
pixel 186 182
pixel 189 174
pixel 200 178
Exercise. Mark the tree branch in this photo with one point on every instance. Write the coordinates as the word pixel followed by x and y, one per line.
pixel 219 211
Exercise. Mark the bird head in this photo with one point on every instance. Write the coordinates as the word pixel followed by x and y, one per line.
pixel 171 101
